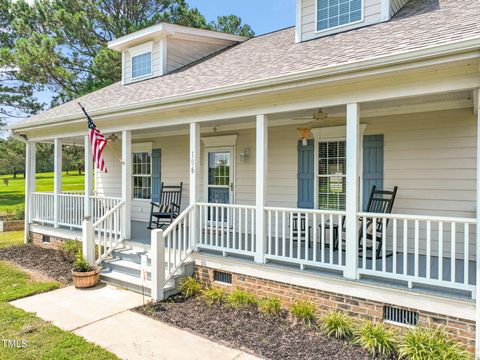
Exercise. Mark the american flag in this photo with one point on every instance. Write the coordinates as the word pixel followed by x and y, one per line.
pixel 97 142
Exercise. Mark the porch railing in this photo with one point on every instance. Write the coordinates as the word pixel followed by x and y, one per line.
pixel 429 250
pixel 412 249
pixel 227 228
pixel 71 208
pixel 305 237
pixel 43 207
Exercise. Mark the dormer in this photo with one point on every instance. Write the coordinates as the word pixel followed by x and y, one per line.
pixel 162 48
pixel 317 18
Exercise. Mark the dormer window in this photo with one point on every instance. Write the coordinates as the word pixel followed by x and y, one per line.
pixel 141 62
pixel 332 14
pixel 142 65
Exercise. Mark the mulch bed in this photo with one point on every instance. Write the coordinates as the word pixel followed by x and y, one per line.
pixel 267 336
pixel 49 262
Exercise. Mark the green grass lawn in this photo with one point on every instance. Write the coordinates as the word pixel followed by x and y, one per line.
pixel 44 341
pixel 11 238
pixel 13 195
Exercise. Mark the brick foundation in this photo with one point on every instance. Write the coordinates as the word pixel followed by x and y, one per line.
pixel 53 243
pixel 460 329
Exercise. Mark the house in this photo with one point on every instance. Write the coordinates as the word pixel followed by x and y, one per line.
pixel 278 141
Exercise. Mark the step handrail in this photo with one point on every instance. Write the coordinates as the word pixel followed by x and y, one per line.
pixel 170 249
pixel 108 214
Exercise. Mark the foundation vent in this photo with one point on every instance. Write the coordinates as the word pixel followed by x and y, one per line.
pixel 45 239
pixel 400 316
pixel 222 277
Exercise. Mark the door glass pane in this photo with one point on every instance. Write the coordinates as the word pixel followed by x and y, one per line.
pixel 219 168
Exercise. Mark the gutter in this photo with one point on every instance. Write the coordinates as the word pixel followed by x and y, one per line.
pixel 452 48
pixel 12 134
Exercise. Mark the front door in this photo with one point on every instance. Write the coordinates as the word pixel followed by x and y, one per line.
pixel 220 175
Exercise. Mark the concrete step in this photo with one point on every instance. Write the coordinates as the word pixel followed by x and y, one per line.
pixel 125 281
pixel 129 254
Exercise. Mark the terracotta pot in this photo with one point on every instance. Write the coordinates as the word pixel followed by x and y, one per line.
pixel 83 280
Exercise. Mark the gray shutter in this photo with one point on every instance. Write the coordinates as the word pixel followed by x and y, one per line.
pixel 156 174
pixel 306 175
pixel 372 165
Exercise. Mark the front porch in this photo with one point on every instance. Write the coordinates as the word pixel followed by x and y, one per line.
pixel 250 208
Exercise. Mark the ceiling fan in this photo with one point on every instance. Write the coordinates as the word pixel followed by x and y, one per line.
pixel 315 120
pixel 112 137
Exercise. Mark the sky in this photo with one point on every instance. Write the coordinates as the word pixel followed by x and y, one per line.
pixel 262 15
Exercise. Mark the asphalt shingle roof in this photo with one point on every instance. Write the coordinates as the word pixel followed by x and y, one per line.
pixel 419 24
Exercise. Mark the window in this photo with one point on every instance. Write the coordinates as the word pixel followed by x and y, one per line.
pixel 141 65
pixel 142 175
pixel 335 13
pixel 331 175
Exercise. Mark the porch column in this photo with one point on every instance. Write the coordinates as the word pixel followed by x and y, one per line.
pixel 261 187
pixel 127 183
pixel 87 212
pixel 30 184
pixel 57 179
pixel 477 246
pixel 353 122
pixel 194 179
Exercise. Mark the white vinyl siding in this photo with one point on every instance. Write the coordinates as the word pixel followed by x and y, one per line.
pixel 184 52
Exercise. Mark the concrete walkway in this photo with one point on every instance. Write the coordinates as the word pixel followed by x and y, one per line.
pixel 102 316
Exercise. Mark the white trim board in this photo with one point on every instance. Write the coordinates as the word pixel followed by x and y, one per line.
pixel 224 140
pixel 462 309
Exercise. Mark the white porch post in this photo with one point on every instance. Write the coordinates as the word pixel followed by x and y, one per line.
pixel 57 179
pixel 194 179
pixel 87 212
pixel 127 183
pixel 477 247
pixel 30 184
pixel 353 122
pixel 261 187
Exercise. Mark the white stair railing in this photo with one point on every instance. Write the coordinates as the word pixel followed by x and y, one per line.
pixel 106 233
pixel 169 250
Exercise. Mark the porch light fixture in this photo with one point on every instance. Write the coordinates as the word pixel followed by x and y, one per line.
pixel 245 154
pixel 304 135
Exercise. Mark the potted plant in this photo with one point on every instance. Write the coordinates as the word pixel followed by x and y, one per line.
pixel 84 275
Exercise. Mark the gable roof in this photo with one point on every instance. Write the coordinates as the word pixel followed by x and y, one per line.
pixel 419 24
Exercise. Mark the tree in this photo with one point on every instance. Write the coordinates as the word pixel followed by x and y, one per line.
pixel 12 160
pixel 17 97
pixel 73 158
pixel 233 25
pixel 62 44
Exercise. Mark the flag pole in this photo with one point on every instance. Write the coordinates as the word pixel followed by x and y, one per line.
pixel 108 142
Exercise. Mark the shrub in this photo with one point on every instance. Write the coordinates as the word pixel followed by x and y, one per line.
pixel 16 212
pixel 378 340
pixel 271 306
pixel 304 311
pixel 70 249
pixel 239 298
pixel 430 343
pixel 214 296
pixel 338 325
pixel 81 264
pixel 190 287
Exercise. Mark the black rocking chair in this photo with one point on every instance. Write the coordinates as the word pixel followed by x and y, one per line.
pixel 167 209
pixel 379 202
